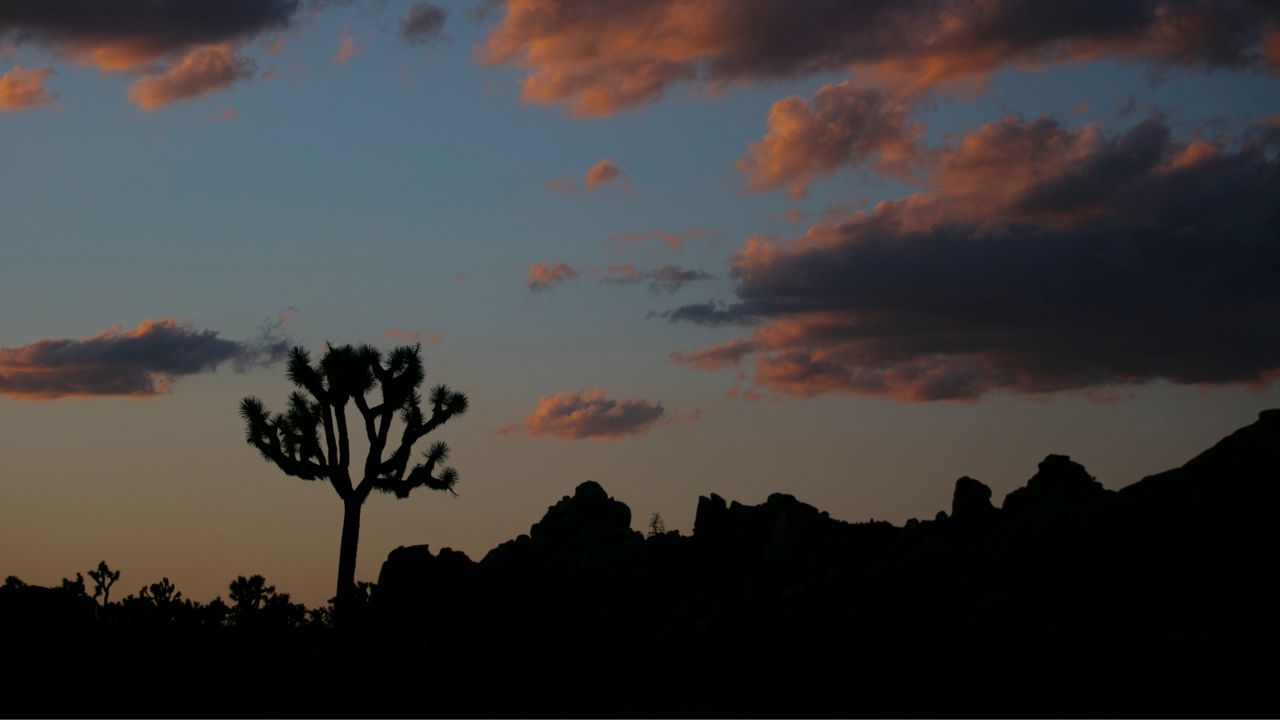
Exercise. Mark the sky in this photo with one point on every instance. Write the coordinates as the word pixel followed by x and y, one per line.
pixel 848 251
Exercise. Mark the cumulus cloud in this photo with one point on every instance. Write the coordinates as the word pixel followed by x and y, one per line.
pixel 845 124
pixel 544 276
pixel 204 70
pixel 589 415
pixel 602 173
pixel 599 58
pixel 423 25
pixel 141 362
pixel 23 89
pixel 668 278
pixel 1043 258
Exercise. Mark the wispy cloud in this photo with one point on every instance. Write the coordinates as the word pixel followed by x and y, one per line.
pixel 348 47
pixel 668 278
pixel 200 72
pixel 671 240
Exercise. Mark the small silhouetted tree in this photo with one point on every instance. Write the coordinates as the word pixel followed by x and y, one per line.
pixel 103 578
pixel 382 388
pixel 656 526
pixel 161 594
pixel 255 603
pixel 75 587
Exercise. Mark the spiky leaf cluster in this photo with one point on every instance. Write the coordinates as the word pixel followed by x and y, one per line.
pixel 310 439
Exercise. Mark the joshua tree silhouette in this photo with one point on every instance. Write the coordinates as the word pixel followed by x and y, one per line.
pixel 103 578
pixel 291 439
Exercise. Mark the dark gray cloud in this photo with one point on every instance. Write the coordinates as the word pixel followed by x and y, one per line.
pixel 140 29
pixel 143 361
pixel 711 313
pixel 668 278
pixel 582 52
pixel 1082 260
pixel 423 25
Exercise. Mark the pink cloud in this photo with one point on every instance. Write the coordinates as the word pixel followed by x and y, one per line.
pixel 559 186
pixel 347 47
pixel 544 276
pixel 844 125
pixel 588 415
pixel 602 173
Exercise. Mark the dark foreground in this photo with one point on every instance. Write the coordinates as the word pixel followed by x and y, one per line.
pixel 1069 599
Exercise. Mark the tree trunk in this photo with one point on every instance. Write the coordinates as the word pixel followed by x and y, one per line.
pixel 343 610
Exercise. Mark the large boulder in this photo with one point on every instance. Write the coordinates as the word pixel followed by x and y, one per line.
pixel 414 582
pixel 971 502
pixel 1058 481
pixel 584 536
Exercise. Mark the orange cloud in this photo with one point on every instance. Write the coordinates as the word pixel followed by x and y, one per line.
pixel 589 415
pixel 23 89
pixel 202 71
pixel 141 362
pixel 543 276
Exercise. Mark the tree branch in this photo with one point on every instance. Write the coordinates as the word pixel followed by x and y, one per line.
pixel 367 414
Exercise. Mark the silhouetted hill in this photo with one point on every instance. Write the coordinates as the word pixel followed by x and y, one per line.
pixel 1068 599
